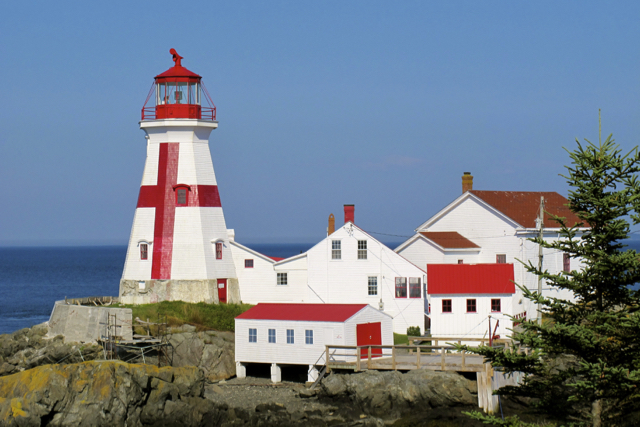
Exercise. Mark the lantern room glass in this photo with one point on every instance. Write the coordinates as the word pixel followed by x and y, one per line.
pixel 178 93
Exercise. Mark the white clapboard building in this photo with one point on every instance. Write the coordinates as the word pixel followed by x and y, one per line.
pixel 348 266
pixel 468 299
pixel 494 227
pixel 179 245
pixel 296 334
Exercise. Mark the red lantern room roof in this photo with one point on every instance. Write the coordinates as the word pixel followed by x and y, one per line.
pixel 177 70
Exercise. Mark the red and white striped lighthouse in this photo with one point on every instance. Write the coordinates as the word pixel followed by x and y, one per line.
pixel 179 244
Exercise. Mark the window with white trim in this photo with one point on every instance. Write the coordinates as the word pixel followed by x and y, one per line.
pixel 471 305
pixel 336 249
pixel 282 279
pixel 144 251
pixel 362 249
pixel 248 263
pixel 272 336
pixel 373 285
pixel 495 305
pixel 401 287
pixel 501 259
pixel 219 250
pixel 308 336
pixel 290 336
pixel 253 335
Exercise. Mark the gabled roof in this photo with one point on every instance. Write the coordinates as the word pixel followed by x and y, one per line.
pixel 302 312
pixel 449 239
pixel 251 251
pixel 470 279
pixel 523 207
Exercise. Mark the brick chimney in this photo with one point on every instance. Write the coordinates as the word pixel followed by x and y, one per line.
pixel 332 225
pixel 349 213
pixel 467 182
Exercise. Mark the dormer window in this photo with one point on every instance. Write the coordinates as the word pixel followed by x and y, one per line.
pixel 182 195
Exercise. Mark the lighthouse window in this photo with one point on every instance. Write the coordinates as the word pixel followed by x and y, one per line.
pixel 219 250
pixel 181 196
pixel 144 251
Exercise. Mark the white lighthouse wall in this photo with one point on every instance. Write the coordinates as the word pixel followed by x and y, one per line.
pixel 195 165
pixel 141 232
pixel 150 174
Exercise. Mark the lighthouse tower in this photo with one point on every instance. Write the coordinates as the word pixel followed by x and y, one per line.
pixel 179 244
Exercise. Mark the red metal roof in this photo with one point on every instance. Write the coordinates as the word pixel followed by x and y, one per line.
pixel 470 279
pixel 178 72
pixel 308 312
pixel 524 206
pixel 449 239
pixel 275 258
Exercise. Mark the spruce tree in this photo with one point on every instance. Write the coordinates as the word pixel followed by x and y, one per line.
pixel 584 367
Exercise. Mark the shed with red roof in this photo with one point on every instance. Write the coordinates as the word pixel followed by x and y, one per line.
pixel 464 297
pixel 296 334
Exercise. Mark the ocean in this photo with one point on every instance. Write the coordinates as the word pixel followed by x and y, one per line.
pixel 32 279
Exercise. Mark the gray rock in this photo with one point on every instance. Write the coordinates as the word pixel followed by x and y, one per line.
pixel 211 351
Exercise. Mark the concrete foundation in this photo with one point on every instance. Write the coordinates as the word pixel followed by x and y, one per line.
pixel 312 374
pixel 276 373
pixel 80 323
pixel 241 370
pixel 152 291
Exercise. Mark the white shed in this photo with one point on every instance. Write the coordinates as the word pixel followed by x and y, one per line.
pixel 296 334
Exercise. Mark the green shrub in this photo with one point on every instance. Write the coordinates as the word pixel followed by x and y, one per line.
pixel 413 331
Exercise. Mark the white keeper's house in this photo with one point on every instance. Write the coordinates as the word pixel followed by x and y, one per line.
pixel 296 334
pixel 481 227
pixel 470 300
pixel 348 266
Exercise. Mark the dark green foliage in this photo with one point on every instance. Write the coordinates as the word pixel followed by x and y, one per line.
pixel 413 331
pixel 203 316
pixel 585 364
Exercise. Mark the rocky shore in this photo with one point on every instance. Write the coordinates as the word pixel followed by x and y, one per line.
pixel 45 382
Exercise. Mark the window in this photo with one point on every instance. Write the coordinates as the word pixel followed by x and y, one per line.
pixel 248 263
pixel 471 305
pixel 181 196
pixel 336 249
pixel 282 279
pixel 219 250
pixel 253 335
pixel 414 287
pixel 362 249
pixel 446 306
pixel 460 261
pixel 373 285
pixel 308 336
pixel 272 335
pixel 495 305
pixel 401 287
pixel 290 336
pixel 566 263
pixel 144 251
pixel 501 259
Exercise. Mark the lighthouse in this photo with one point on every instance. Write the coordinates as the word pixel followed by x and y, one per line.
pixel 179 245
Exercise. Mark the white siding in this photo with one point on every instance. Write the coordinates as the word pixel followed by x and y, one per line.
pixel 257 283
pixel 461 324
pixel 142 230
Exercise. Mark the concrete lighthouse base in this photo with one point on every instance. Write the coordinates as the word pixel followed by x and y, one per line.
pixel 152 291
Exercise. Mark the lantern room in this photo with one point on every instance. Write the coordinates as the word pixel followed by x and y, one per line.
pixel 178 95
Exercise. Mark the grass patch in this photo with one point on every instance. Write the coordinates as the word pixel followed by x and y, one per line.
pixel 218 317
pixel 400 339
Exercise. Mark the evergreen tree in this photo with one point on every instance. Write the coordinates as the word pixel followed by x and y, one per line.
pixel 584 366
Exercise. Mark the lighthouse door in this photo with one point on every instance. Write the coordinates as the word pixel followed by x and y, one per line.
pixel 222 291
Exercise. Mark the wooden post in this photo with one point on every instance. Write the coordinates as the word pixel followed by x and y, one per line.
pixel 393 358
pixel 369 358
pixel 326 360
pixel 442 360
pixel 358 351
pixel 463 361
pixel 418 358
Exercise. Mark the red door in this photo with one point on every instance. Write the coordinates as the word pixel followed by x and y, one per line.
pixel 222 291
pixel 369 334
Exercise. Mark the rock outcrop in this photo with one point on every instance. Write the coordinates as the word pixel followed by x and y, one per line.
pixel 391 395
pixel 211 351
pixel 104 394
pixel 28 348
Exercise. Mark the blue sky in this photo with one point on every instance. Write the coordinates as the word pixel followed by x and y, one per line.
pixel 379 104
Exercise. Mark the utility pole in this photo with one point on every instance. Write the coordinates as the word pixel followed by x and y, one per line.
pixel 540 235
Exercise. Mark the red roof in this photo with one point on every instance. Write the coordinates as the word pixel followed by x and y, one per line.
pixel 309 312
pixel 470 279
pixel 524 206
pixel 176 71
pixel 275 258
pixel 449 239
